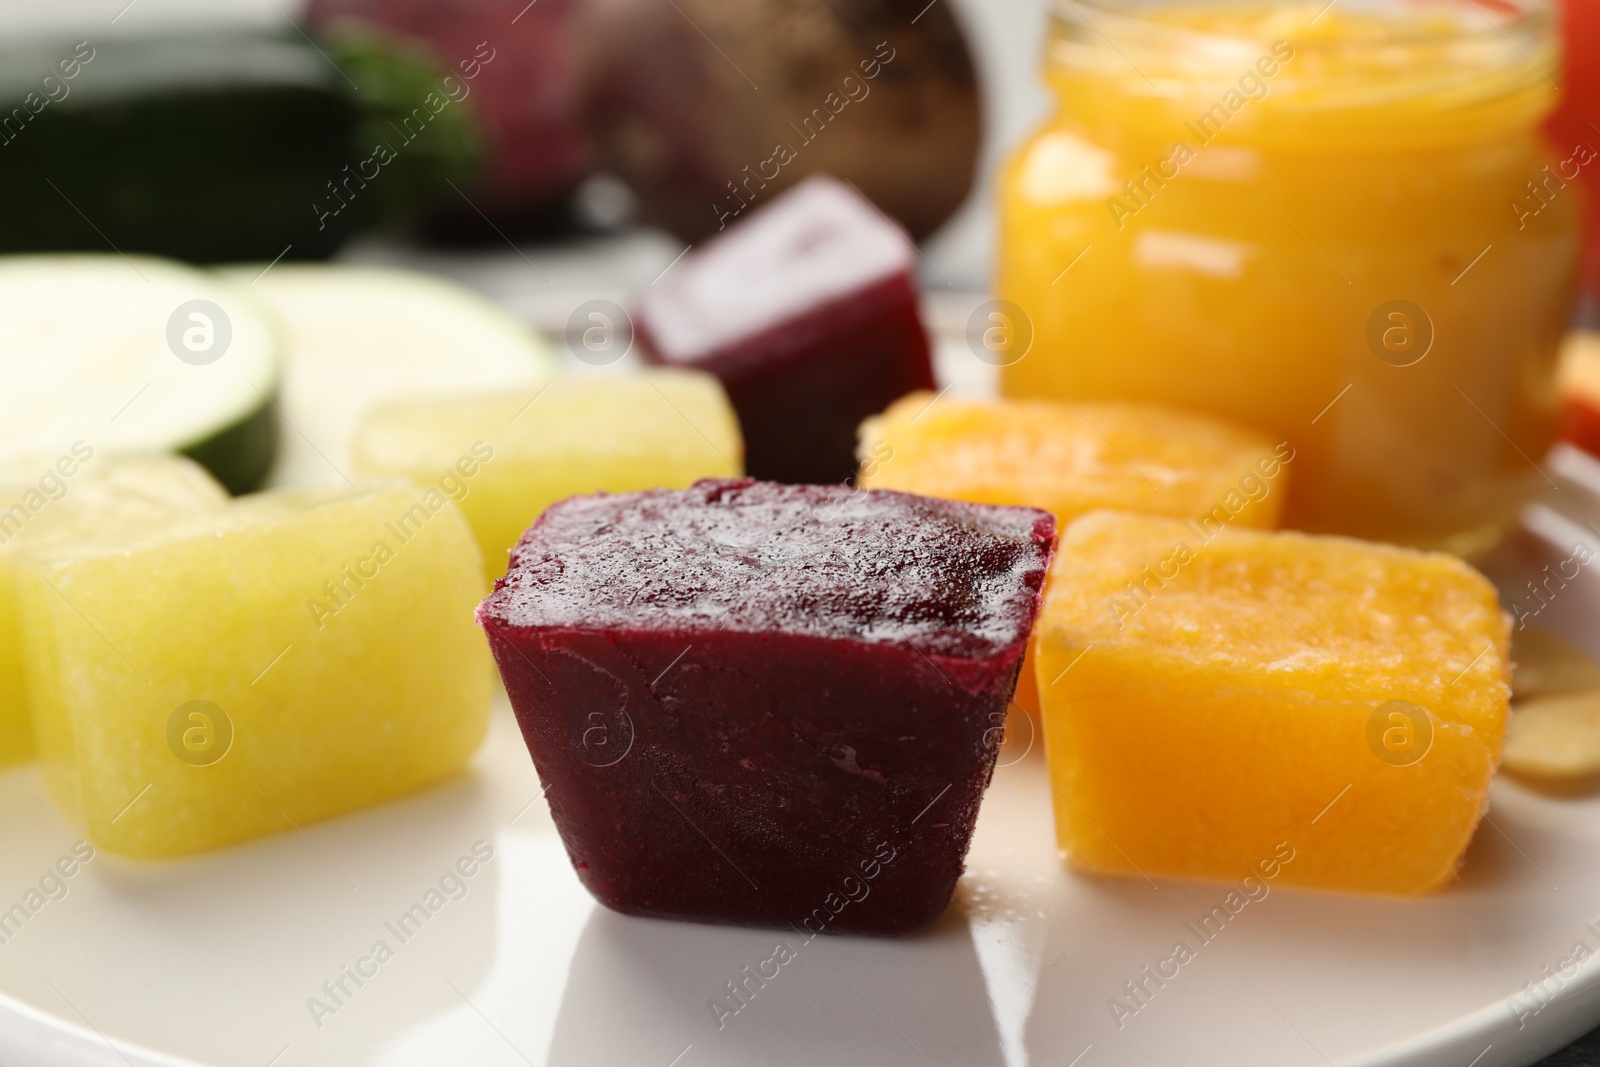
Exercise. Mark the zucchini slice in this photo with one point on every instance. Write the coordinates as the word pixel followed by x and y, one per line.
pixel 356 337
pixel 136 354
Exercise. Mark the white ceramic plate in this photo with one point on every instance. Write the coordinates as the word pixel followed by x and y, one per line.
pixel 212 960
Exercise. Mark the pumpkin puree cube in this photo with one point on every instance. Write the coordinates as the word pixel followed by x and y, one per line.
pixel 1072 458
pixel 256 667
pixel 1207 698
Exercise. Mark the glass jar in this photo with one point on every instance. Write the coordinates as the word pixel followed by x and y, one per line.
pixel 1333 221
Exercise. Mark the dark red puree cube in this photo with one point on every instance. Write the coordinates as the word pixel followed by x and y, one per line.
pixel 807 312
pixel 768 704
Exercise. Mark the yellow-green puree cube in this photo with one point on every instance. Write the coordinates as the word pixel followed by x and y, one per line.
pixel 236 673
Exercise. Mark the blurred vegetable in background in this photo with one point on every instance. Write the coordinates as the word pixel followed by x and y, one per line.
pixel 224 145
pixel 664 94
pixel 199 146
pixel 527 96
pixel 705 107
pixel 467 119
pixel 1577 120
pixel 422 118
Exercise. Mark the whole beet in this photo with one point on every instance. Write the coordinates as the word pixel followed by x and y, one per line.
pixel 707 107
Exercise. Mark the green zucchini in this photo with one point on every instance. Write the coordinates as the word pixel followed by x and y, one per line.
pixel 137 355
pixel 202 147
pixel 218 146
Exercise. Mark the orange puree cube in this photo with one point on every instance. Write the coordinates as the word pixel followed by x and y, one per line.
pixel 1070 458
pixel 1212 703
pixel 1580 391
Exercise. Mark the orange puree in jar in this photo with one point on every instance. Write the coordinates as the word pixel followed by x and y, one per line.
pixel 1314 218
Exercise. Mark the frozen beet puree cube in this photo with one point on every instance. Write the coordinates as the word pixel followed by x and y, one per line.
pixel 807 311
pixel 768 704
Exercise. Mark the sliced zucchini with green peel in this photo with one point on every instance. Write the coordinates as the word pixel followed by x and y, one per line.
pixel 356 337
pixel 136 355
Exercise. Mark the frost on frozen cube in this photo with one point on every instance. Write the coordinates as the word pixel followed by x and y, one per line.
pixel 1210 701
pixel 767 704
pixel 283 659
pixel 504 459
